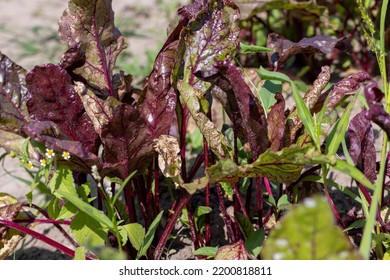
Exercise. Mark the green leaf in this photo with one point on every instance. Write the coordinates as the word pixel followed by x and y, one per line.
pixel 284 166
pixel 338 132
pixel 123 185
pixel 86 208
pixel 149 236
pixel 283 202
pixel 244 224
pixel 308 232
pixel 255 241
pixel 353 172
pixel 63 180
pixel 244 48
pixel 206 251
pixel 136 234
pixel 79 253
pixel 88 231
pixel 267 93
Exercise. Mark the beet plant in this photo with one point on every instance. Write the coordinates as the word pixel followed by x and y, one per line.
pixel 120 167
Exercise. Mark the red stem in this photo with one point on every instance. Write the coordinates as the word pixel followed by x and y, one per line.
pixel 169 227
pixel 207 232
pixel 41 237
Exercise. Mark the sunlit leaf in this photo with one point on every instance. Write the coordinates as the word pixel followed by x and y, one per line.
pixel 308 232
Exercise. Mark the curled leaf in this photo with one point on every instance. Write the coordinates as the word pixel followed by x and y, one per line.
pixel 361 147
pixel 284 49
pixel 13 91
pixel 348 85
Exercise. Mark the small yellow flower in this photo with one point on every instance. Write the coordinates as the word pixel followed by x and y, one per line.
pixel 49 153
pixel 30 165
pixel 66 155
pixel 12 154
pixel 43 162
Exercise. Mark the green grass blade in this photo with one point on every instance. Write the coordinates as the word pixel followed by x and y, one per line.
pixel 123 185
pixel 338 132
pixel 244 48
pixel 149 236
pixel 303 111
pixel 84 207
pixel 353 172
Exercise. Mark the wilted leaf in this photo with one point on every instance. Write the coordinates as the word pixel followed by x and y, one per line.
pixel 127 142
pixel 361 147
pixel 276 122
pixel 13 91
pixel 158 106
pixel 90 25
pixel 284 49
pixel 98 110
pixel 168 151
pixel 235 251
pixel 52 97
pixel 308 232
pixel 10 210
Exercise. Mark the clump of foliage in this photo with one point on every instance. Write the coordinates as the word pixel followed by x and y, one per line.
pixel 106 153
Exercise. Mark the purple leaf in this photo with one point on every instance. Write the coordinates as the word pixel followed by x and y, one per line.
pixel 276 122
pixel 52 97
pixel 158 106
pixel 362 149
pixel 284 49
pixel 90 25
pixel 13 91
pixel 346 86
pixel 252 116
pixel 127 142
pixel 376 112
